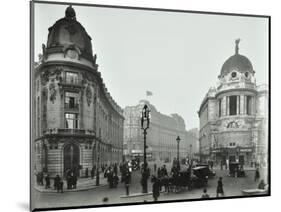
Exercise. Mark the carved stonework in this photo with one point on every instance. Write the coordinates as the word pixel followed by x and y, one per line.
pixel 232 124
pixel 45 94
pixel 53 91
pixel 53 72
pixel 44 77
pixel 89 95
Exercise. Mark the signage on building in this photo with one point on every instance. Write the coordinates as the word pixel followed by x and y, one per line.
pixel 246 150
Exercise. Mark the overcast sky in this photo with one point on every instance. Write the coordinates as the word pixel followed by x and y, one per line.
pixel 177 56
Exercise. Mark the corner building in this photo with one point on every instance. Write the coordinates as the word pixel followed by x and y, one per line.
pixel 234 115
pixel 77 124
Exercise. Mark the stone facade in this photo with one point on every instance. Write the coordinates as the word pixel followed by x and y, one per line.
pixel 161 135
pixel 77 124
pixel 233 116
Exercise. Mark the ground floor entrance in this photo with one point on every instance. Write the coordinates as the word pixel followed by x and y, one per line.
pixel 71 159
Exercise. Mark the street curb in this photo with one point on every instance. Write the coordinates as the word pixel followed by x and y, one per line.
pixel 70 190
pixel 138 195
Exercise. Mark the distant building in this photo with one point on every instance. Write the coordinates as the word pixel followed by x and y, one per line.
pixel 234 115
pixel 161 137
pixel 76 123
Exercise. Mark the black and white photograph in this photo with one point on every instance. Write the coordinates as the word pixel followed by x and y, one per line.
pixel 140 105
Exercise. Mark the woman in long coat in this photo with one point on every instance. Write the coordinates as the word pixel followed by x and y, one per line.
pixel 220 187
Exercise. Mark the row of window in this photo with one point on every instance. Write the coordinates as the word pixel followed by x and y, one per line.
pixel 234 105
pixel 234 74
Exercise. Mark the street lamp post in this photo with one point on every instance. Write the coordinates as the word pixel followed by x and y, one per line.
pixel 178 153
pixel 144 126
pixel 190 151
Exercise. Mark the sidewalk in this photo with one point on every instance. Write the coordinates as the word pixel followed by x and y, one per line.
pixel 83 184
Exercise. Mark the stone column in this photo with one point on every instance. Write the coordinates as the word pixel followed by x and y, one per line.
pixel 253 106
pixel 242 111
pixel 223 106
pixel 227 105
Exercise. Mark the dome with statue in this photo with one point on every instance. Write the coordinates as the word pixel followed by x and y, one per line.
pixel 68 33
pixel 237 62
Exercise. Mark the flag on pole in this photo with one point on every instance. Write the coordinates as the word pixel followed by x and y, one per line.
pixel 149 93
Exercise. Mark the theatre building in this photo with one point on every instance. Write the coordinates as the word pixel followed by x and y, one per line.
pixel 76 123
pixel 234 115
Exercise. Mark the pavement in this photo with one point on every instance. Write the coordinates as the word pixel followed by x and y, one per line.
pixel 83 184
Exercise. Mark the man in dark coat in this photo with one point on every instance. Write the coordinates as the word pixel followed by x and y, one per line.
pixel 73 181
pixel 87 173
pixel 115 180
pixel 164 171
pixel 156 188
pixel 220 187
pixel 127 182
pixel 257 174
pixel 110 178
pixel 57 183
pixel 47 180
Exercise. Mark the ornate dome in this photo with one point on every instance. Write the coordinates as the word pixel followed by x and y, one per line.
pixel 69 32
pixel 237 62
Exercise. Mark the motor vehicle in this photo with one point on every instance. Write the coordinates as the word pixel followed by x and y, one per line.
pixel 210 172
pixel 200 176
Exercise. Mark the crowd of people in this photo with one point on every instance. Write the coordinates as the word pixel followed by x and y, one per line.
pixel 160 177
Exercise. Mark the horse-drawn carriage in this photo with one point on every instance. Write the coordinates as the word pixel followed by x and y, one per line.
pixel 236 170
pixel 196 177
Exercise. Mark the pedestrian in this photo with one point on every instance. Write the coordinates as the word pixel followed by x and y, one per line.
pixel 257 174
pixel 165 181
pixel 110 178
pixel 127 183
pixel 159 172
pixel 93 172
pixel 87 173
pixel 115 169
pixel 164 171
pixel 155 188
pixel 47 180
pixel 205 195
pixel 56 182
pixel 212 164
pixel 220 187
pixel 74 181
pixel 155 167
pixel 115 180
pixel 60 186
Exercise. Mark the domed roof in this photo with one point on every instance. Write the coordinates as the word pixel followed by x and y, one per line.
pixel 68 31
pixel 237 62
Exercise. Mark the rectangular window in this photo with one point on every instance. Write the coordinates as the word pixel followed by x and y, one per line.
pixel 71 121
pixel 232 105
pixel 248 105
pixel 71 78
pixel 71 100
